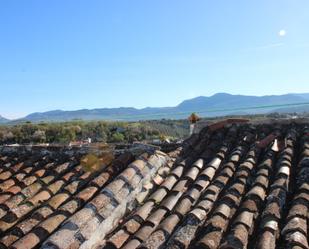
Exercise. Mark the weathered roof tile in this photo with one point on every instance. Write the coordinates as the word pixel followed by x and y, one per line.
pixel 222 192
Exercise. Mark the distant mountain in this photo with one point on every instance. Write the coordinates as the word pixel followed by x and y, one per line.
pixel 303 95
pixel 228 101
pixel 296 109
pixel 3 120
pixel 121 113
pixel 217 105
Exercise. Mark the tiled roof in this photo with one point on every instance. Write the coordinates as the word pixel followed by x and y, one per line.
pixel 238 186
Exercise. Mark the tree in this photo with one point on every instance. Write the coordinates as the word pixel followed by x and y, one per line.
pixel 53 133
pixel 39 136
pixel 27 130
pixel 67 135
pixel 7 137
pixel 117 137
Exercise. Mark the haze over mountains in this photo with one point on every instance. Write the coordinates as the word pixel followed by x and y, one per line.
pixel 219 104
pixel 3 120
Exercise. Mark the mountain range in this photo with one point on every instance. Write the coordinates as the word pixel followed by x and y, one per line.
pixel 219 104
pixel 3 120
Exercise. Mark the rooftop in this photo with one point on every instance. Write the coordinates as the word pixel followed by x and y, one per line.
pixel 229 186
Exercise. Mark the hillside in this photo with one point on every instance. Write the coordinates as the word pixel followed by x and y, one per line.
pixel 219 104
pixel 98 131
pixel 3 120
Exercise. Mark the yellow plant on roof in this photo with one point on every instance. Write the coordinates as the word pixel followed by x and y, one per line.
pixel 92 162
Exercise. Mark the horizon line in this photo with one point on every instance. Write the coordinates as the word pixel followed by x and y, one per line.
pixel 89 109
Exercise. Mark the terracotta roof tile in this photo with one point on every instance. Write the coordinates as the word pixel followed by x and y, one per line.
pixel 225 190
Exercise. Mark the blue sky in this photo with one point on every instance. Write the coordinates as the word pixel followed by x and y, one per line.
pixel 76 54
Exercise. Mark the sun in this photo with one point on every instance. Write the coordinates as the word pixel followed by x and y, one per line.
pixel 282 32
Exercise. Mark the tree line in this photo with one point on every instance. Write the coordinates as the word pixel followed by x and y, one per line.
pixel 98 131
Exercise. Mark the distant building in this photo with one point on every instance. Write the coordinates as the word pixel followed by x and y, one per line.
pixel 81 143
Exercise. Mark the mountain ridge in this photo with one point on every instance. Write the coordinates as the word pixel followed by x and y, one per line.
pixel 218 104
pixel 3 120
